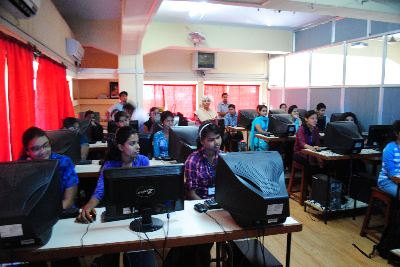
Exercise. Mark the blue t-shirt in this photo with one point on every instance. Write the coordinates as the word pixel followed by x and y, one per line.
pixel 99 191
pixel 161 145
pixel 83 140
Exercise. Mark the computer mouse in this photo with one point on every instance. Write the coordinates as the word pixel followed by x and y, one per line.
pixel 158 158
pixel 318 149
pixel 93 216
pixel 200 207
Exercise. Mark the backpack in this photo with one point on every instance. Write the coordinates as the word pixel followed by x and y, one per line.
pixel 384 246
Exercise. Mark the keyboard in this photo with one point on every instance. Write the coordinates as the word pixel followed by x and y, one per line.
pixel 69 213
pixel 84 162
pixel 211 204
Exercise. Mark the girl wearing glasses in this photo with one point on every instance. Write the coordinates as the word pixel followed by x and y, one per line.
pixel 36 145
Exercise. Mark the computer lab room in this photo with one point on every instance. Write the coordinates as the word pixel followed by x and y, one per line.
pixel 199 133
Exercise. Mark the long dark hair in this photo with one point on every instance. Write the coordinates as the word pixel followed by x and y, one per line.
pixel 27 136
pixel 165 115
pixel 204 129
pixel 307 115
pixel 121 136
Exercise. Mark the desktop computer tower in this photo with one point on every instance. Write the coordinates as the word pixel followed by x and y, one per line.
pixel 251 253
pixel 319 184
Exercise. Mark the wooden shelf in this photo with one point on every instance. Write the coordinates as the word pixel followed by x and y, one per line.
pixel 95 101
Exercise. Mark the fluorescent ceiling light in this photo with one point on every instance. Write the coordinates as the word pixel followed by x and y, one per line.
pixel 359 45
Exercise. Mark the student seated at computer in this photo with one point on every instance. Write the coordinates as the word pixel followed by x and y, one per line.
pixel 230 135
pixel 307 137
pixel 161 138
pixel 97 129
pixel 73 124
pixel 121 119
pixel 200 172
pixel 259 126
pixel 123 152
pixel 294 112
pixel 205 114
pixel 321 109
pixel 36 145
pixel 389 176
pixel 148 125
pixel 282 106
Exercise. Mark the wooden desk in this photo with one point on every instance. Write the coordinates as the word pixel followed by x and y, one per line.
pixel 331 156
pixel 237 129
pixel 187 227
pixel 273 138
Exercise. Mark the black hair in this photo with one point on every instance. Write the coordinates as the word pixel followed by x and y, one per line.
pixel 280 106
pixel 307 115
pixel 27 136
pixel 395 130
pixel 129 106
pixel 224 94
pixel 119 115
pixel 232 106
pixel 291 108
pixel 260 107
pixel 114 111
pixel 165 115
pixel 69 122
pixel 348 114
pixel 204 129
pixel 89 112
pixel 121 136
pixel 321 105
pixel 153 108
pixel 123 93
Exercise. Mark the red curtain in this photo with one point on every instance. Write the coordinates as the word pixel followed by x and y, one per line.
pixel 53 101
pixel 215 91
pixel 21 94
pixel 176 98
pixel 153 96
pixel 244 96
pixel 4 134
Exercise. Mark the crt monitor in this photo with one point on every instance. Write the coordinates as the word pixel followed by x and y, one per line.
pixel 182 142
pixel 141 192
pixel 251 187
pixel 112 126
pixel 335 117
pixel 157 124
pixel 30 201
pixel 281 125
pixel 246 117
pixel 343 138
pixel 66 142
pixel 302 114
pixel 85 128
pixel 379 135
pixel 134 124
pixel 277 111
pixel 321 122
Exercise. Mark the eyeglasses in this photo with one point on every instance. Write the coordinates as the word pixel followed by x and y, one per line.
pixel 37 148
pixel 156 113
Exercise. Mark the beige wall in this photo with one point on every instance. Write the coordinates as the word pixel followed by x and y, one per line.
pixel 95 58
pixel 179 61
pixel 102 33
pixel 162 35
pixel 47 26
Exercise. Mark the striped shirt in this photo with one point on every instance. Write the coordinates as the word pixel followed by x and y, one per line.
pixel 390 161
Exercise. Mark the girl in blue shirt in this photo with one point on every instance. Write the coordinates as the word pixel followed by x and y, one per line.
pixel 389 176
pixel 123 152
pixel 161 138
pixel 259 126
pixel 294 112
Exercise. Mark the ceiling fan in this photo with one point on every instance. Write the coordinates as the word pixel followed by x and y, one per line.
pixel 197 38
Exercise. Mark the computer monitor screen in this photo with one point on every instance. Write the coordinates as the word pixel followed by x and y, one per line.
pixel 145 143
pixel 30 201
pixel 157 124
pixel 335 116
pixel 246 117
pixel 112 127
pixel 85 128
pixel 321 122
pixel 342 137
pixel 134 124
pixel 251 187
pixel 182 142
pixel 277 111
pixel 379 135
pixel 143 191
pixel 281 125
pixel 65 142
